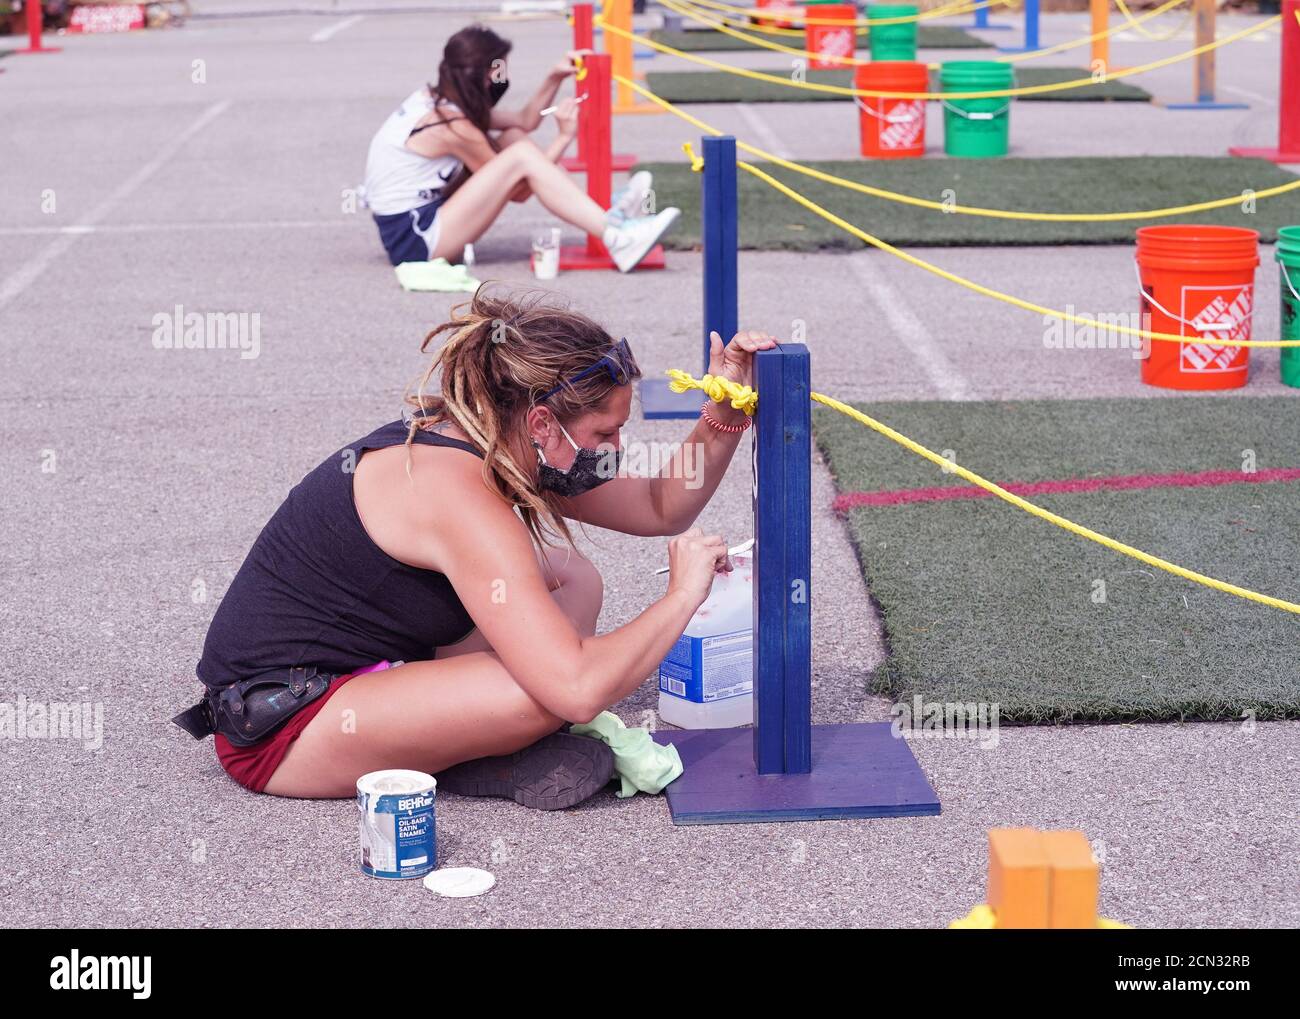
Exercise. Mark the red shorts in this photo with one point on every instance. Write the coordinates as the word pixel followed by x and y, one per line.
pixel 252 767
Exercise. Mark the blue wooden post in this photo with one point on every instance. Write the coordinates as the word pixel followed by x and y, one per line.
pixel 982 21
pixel 785 768
pixel 783 562
pixel 1031 30
pixel 719 230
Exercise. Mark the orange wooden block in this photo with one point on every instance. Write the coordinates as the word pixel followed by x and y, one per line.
pixel 1018 878
pixel 1072 899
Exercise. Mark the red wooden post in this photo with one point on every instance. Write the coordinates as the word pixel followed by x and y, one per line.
pixel 35 16
pixel 584 39
pixel 1288 100
pixel 600 170
pixel 600 147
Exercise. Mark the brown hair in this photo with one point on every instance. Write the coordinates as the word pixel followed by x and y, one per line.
pixel 506 350
pixel 467 59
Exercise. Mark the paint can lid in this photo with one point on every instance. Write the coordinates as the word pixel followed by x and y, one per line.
pixel 396 782
pixel 459 882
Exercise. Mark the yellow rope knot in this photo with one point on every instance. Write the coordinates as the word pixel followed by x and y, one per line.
pixel 717 388
pixel 697 162
pixel 582 69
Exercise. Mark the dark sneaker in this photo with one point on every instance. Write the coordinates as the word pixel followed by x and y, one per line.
pixel 557 771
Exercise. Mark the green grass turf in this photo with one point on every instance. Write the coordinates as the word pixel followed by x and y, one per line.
pixel 685 87
pixel 771 221
pixel 702 40
pixel 982 602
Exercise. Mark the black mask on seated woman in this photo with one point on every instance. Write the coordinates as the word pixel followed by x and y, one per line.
pixel 591 467
pixel 496 89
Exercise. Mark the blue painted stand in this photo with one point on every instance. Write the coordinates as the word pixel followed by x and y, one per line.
pixel 1207 104
pixel 721 275
pixel 1031 31
pixel 982 22
pixel 785 768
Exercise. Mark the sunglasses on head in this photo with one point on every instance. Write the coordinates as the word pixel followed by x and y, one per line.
pixel 617 362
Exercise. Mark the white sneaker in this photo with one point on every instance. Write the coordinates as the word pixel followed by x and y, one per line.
pixel 629 200
pixel 629 243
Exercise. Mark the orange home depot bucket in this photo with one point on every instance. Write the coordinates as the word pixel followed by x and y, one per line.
pixel 892 128
pixel 776 7
pixel 1199 282
pixel 829 41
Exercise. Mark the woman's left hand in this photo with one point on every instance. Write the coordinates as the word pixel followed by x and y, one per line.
pixel 735 361
pixel 568 65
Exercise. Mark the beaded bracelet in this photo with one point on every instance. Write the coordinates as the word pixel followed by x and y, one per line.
pixel 715 423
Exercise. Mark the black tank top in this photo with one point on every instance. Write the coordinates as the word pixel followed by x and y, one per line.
pixel 316 590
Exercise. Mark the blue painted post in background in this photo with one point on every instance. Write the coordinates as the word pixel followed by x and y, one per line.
pixel 720 237
pixel 1031 31
pixel 982 21
pixel 783 562
pixel 719 229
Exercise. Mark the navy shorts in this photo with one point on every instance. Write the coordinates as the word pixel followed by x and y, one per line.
pixel 410 236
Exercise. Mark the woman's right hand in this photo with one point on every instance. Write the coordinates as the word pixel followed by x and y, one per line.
pixel 693 560
pixel 566 117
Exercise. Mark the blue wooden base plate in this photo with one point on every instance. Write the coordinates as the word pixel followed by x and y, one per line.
pixel 858 770
pixel 658 401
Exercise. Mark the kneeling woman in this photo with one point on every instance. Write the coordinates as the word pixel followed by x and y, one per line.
pixel 442 543
pixel 446 162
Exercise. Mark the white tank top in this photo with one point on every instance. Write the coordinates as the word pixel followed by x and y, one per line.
pixel 397 179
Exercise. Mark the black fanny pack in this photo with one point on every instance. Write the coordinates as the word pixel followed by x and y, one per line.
pixel 250 710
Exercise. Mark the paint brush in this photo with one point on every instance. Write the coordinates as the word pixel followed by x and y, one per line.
pixel 740 549
pixel 549 111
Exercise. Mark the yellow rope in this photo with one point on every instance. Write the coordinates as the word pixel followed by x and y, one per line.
pixel 1023 90
pixel 1135 24
pixel 802 16
pixel 965 210
pixel 746 399
pixel 684 7
pixel 957 8
pixel 979 288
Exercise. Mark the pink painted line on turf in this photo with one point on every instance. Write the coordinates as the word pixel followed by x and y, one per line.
pixel 1201 479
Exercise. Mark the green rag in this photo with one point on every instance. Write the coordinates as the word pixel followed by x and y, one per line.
pixel 438 274
pixel 641 763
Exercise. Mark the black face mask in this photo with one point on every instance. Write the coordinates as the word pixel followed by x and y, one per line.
pixel 496 89
pixel 591 468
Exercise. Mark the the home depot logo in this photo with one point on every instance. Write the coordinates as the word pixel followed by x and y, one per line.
pixel 836 42
pixel 903 124
pixel 1216 313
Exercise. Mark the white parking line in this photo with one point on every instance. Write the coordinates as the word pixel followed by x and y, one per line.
pixel 908 330
pixel 1248 94
pixel 172 228
pixel 18 281
pixel 766 136
pixel 330 31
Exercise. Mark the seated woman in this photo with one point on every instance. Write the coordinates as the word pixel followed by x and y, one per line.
pixel 441 544
pixel 444 164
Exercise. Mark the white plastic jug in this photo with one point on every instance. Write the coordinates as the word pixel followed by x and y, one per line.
pixel 706 680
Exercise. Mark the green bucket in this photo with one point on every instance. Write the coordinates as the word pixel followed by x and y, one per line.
pixel 1287 254
pixel 976 128
pixel 892 42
